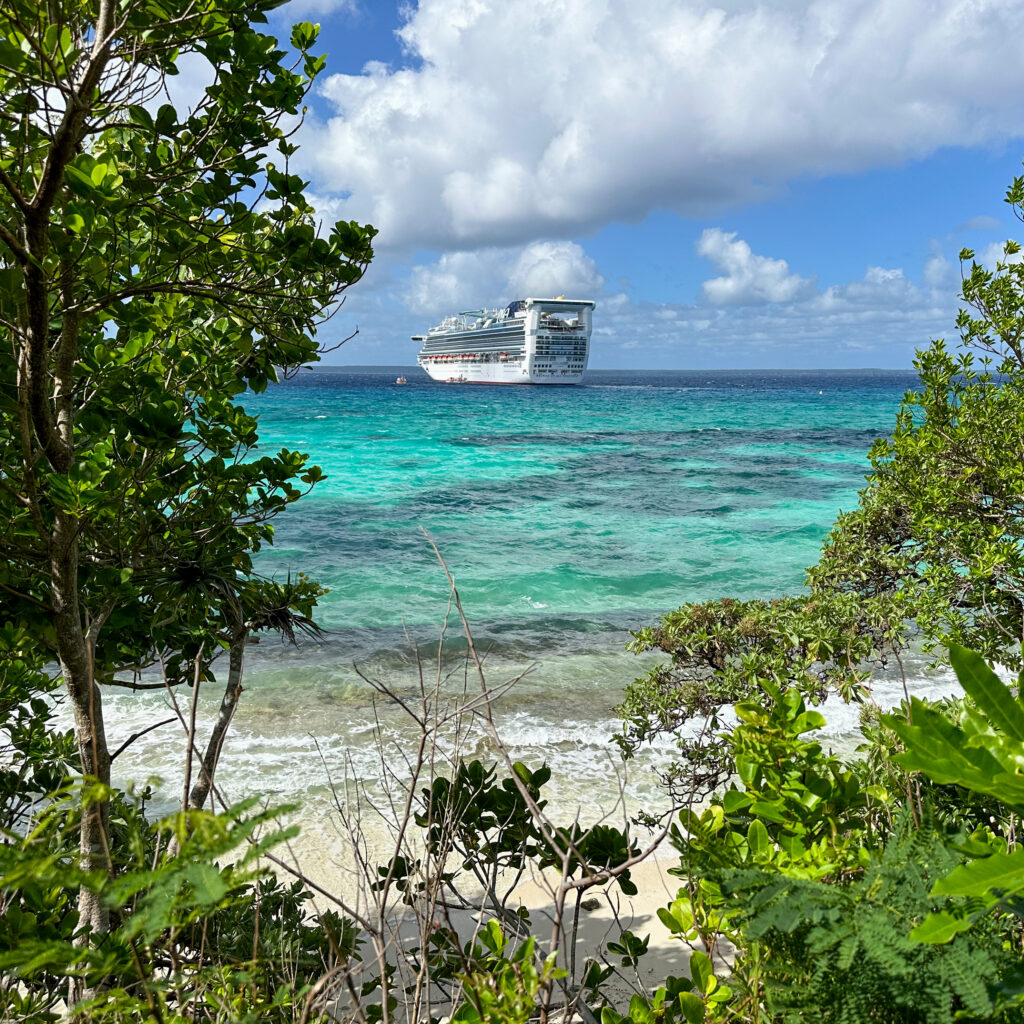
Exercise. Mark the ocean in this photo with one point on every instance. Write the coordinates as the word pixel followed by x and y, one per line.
pixel 567 516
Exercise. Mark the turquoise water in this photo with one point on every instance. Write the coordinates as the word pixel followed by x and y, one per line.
pixel 567 517
pixel 594 504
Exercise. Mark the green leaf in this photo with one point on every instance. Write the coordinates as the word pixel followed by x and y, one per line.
pixel 939 928
pixel 640 1011
pixel 467 1013
pixel 702 972
pixel 757 838
pixel 304 35
pixel 78 180
pixel 944 752
pixel 693 1007
pixel 989 692
pixel 735 800
pixel 208 885
pixel 1001 872
pixel 490 935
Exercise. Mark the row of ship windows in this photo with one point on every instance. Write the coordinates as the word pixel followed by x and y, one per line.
pixel 555 344
pixel 472 355
pixel 575 355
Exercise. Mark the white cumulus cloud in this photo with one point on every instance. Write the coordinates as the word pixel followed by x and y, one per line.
pixel 525 119
pixel 555 268
pixel 493 276
pixel 749 279
pixel 993 254
pixel 875 320
pixel 940 274
pixel 457 280
pixel 881 287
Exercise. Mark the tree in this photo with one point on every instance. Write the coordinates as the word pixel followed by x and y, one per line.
pixel 934 550
pixel 939 528
pixel 154 265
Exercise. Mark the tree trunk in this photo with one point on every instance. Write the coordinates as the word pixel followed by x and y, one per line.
pixel 232 692
pixel 76 664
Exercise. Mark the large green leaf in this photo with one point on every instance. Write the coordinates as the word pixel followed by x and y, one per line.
pixel 757 837
pixel 1000 874
pixel 693 1007
pixel 937 747
pixel 988 691
pixel 938 928
pixel 702 972
pixel 947 754
pixel 985 881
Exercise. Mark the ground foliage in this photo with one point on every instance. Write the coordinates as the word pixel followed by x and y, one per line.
pixel 844 953
pixel 202 935
pixel 846 894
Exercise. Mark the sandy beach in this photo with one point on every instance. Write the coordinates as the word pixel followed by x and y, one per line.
pixel 615 913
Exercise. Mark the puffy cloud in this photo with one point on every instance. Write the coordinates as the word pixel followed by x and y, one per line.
pixel 993 254
pixel 458 280
pixel 555 268
pixel 494 276
pixel 880 287
pixel 524 119
pixel 876 320
pixel 940 274
pixel 749 279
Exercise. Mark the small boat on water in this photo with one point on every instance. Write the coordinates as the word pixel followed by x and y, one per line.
pixel 401 380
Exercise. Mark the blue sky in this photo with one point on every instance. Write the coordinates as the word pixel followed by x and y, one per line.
pixel 738 185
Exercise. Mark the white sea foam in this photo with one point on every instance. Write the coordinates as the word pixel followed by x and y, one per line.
pixel 292 744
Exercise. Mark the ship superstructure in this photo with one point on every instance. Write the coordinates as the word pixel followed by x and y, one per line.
pixel 530 341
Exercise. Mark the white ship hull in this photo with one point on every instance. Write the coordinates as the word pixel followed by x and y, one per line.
pixel 533 341
pixel 459 372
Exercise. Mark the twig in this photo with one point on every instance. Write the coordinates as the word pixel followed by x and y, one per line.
pixel 138 735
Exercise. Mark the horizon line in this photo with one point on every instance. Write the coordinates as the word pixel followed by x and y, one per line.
pixel 653 369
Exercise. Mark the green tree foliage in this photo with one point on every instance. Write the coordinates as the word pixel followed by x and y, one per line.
pixel 719 649
pixel 940 524
pixel 203 934
pixel 155 264
pixel 934 549
pixel 34 756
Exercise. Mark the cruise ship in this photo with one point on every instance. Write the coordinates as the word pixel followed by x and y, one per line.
pixel 530 341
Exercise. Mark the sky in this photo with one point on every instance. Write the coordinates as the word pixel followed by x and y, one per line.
pixel 784 184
